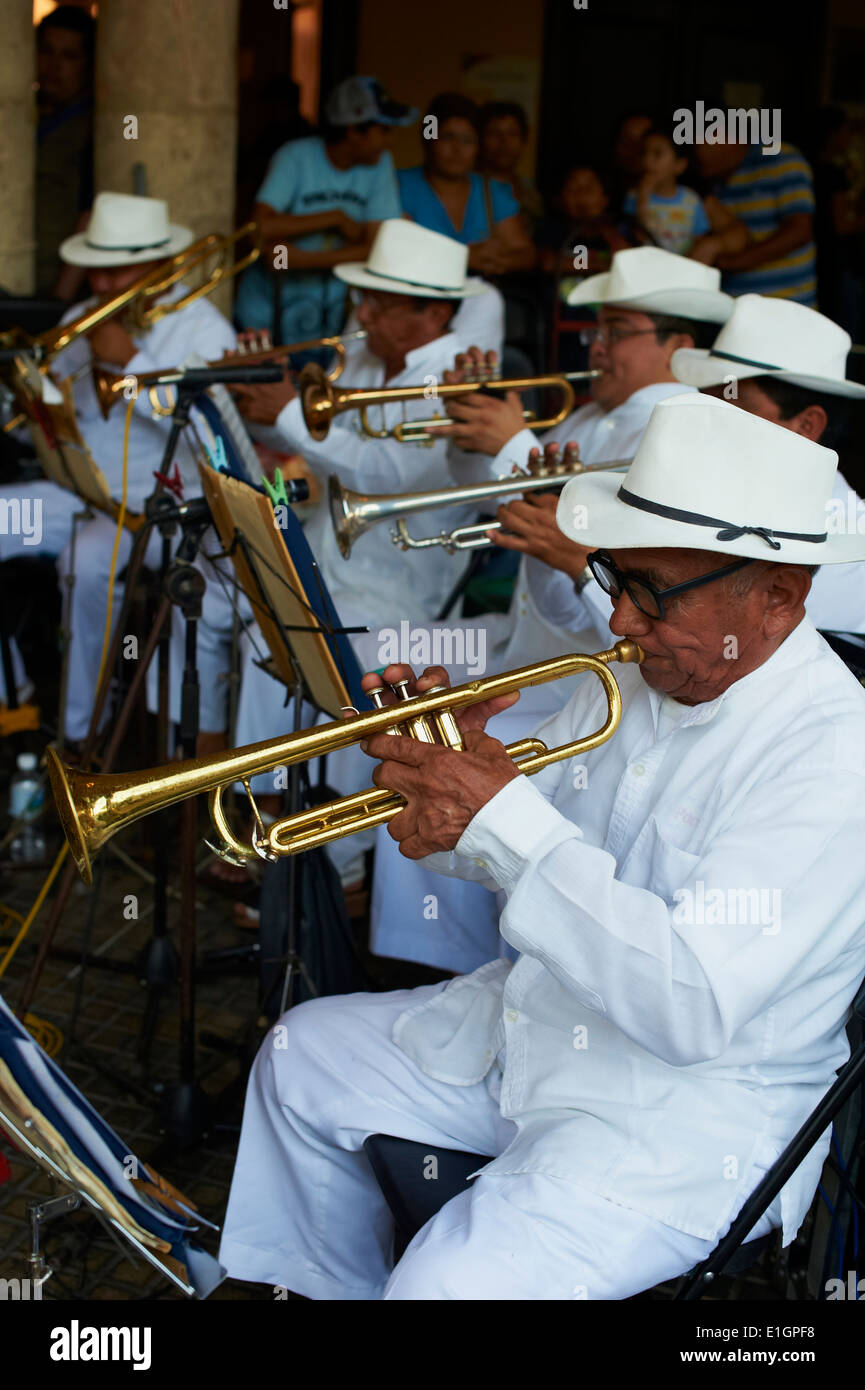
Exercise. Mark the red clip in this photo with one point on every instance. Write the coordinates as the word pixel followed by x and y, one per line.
pixel 174 483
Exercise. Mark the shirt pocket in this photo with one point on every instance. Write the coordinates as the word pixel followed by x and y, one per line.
pixel 670 868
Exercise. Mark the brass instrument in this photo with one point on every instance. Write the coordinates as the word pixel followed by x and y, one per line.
pixel 353 513
pixel 140 300
pixel 320 402
pixel 110 386
pixel 474 536
pixel 92 806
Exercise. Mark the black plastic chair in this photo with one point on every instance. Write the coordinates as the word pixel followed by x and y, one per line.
pixel 415 1188
pixel 415 1191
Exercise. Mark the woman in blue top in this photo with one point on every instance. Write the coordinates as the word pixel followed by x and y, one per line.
pixel 446 195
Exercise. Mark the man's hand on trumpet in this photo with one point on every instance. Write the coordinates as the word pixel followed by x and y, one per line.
pixel 444 789
pixel 481 424
pixel 530 526
pixel 263 404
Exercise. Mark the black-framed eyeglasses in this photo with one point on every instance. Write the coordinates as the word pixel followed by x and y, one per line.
pixel 643 594
pixel 608 335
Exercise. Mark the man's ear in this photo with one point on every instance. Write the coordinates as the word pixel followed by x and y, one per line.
pixel 811 422
pixel 787 588
pixel 676 341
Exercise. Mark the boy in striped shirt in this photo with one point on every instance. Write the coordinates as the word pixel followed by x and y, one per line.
pixel 773 195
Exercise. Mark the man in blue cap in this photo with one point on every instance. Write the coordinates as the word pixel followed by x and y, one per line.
pixel 319 206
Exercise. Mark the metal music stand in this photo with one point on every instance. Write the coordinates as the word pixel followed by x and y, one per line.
pixel 303 654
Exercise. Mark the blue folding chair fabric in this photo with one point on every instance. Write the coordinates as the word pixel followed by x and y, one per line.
pixel 100 1149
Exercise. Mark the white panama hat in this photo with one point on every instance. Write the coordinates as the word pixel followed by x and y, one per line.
pixel 124 229
pixel 773 337
pixel 709 476
pixel 407 259
pixel 657 282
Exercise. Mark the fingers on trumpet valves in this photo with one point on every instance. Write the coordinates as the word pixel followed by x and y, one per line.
pixel 437 727
pixel 571 456
pixel 552 458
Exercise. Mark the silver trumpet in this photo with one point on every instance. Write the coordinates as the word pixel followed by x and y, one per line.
pixel 475 535
pixel 353 513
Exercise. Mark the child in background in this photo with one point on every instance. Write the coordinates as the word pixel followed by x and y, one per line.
pixel 582 218
pixel 673 214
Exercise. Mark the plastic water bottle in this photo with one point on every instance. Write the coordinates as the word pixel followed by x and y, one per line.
pixel 26 802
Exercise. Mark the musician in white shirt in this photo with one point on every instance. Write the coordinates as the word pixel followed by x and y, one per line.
pixel 651 304
pixel 127 236
pixel 689 913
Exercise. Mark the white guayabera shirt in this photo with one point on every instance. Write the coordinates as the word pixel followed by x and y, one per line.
pixel 690 910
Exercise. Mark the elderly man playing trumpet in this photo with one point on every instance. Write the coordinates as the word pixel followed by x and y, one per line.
pixel 688 904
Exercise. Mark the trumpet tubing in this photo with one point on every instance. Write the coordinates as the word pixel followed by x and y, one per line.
pixel 320 402
pixel 109 386
pixel 353 513
pixel 474 536
pixel 93 807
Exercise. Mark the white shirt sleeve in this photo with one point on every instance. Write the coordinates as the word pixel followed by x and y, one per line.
pixel 679 988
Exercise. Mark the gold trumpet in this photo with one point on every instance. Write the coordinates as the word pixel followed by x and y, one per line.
pixel 353 513
pixel 110 386
pixel 92 807
pixel 320 402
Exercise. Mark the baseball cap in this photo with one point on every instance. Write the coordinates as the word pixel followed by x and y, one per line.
pixel 361 99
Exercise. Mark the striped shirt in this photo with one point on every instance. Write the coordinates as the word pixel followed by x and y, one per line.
pixel 763 192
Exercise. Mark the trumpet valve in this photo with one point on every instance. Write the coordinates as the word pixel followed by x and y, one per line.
pixel 418 727
pixel 376 695
pixel 448 728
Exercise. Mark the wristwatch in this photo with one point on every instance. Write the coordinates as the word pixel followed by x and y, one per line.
pixel 582 580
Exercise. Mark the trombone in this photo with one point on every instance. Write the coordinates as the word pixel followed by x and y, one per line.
pixel 353 513
pixel 93 807
pixel 141 298
pixel 320 402
pixel 110 386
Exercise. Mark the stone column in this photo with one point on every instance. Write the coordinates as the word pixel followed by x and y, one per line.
pixel 166 99
pixel 17 146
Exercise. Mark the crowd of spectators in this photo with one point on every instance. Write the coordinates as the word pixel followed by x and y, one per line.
pixel 787 222
pixel 770 220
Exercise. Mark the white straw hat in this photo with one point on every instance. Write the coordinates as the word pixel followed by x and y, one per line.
pixel 708 476
pixel 657 282
pixel 407 259
pixel 773 337
pixel 124 229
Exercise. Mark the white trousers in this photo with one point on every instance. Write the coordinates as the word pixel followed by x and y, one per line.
pixel 306 1213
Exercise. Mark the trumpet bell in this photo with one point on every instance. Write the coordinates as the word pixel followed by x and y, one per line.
pixel 85 828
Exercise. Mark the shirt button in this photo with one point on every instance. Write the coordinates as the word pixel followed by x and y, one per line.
pixel 512 1016
pixel 638 769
